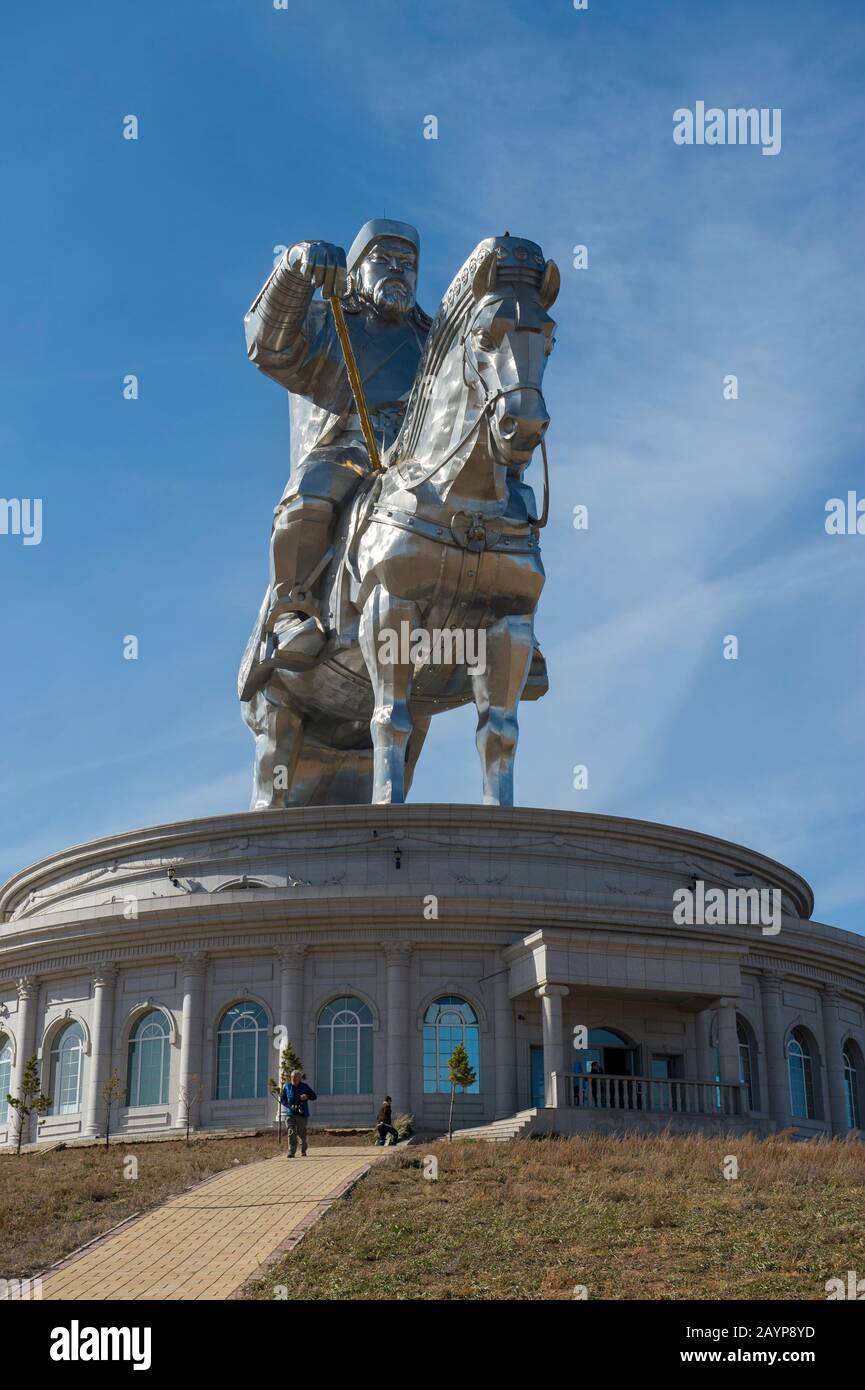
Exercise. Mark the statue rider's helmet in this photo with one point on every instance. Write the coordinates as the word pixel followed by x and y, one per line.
pixel 382 265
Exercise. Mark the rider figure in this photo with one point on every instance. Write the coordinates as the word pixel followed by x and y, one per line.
pixel 292 337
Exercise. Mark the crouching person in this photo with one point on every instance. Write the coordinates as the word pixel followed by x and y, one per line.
pixel 296 1095
pixel 384 1124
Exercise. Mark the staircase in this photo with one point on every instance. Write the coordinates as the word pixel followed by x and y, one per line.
pixel 517 1126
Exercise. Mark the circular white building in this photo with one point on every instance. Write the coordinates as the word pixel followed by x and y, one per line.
pixel 602 973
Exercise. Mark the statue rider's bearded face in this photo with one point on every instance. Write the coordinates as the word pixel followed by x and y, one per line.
pixel 387 277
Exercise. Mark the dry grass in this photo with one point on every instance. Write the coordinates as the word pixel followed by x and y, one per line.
pixel 629 1217
pixel 55 1201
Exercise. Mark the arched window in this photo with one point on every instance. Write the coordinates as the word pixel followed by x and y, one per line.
pixel 344 1060
pixel 64 1077
pixel 747 1068
pixel 800 1068
pixel 149 1055
pixel 242 1052
pixel 449 1021
pixel 851 1088
pixel 5 1073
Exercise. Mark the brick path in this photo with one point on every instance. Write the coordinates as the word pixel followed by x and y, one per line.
pixel 205 1243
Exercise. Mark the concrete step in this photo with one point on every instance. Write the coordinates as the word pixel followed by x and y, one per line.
pixel 499 1131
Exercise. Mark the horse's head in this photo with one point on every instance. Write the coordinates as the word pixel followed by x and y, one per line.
pixel 508 337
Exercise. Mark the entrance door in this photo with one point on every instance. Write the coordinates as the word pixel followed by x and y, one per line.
pixel 536 1059
pixel 617 1061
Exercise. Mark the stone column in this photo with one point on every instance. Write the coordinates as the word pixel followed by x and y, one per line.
pixel 706 1060
pixel 554 1044
pixel 291 965
pixel 191 1083
pixel 398 1042
pixel 505 1046
pixel 728 1049
pixel 25 1036
pixel 101 1049
pixel 777 1083
pixel 833 1032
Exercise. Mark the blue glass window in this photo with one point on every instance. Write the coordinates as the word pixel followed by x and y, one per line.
pixel 344 1058
pixel 851 1089
pixel 801 1072
pixel 5 1073
pixel 448 1022
pixel 149 1056
pixel 64 1083
pixel 242 1053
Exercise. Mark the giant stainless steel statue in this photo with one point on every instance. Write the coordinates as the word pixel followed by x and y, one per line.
pixel 405 515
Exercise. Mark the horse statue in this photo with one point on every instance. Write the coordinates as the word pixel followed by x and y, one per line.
pixel 436 568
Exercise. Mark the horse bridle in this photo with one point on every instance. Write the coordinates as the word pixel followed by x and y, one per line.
pixel 489 402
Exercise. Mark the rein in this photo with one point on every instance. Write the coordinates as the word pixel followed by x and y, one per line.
pixel 489 403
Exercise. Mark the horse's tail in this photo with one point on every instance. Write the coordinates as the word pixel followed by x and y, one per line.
pixel 254 669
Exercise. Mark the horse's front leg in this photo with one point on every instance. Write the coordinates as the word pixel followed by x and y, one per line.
pixel 497 690
pixel 384 644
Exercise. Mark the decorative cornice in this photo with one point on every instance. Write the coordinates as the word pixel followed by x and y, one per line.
pixel 793 971
pixel 461 934
pixel 470 909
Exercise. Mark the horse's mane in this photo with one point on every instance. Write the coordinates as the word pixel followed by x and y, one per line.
pixel 444 329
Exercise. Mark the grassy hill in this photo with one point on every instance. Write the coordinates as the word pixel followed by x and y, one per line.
pixel 627 1218
pixel 624 1218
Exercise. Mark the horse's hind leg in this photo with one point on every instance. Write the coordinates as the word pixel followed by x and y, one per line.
pixel 390 674
pixel 278 730
pixel 497 694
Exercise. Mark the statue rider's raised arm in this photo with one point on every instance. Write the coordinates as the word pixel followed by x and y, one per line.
pixel 285 328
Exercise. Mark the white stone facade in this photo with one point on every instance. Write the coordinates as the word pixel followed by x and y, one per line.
pixel 540 921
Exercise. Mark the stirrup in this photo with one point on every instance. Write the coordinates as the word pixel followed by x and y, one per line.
pixel 297 601
pixel 300 645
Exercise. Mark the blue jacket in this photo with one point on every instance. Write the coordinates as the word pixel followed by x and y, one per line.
pixel 300 1095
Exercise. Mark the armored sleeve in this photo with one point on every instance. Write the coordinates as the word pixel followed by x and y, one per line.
pixel 276 338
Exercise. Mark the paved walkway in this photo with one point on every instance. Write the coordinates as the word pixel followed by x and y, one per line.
pixel 205 1243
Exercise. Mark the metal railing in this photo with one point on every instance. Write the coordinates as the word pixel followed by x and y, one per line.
pixel 649 1094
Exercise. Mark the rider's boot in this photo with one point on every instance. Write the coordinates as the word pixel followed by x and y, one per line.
pixel 298 555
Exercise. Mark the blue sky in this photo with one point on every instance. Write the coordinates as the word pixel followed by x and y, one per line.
pixel 706 517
